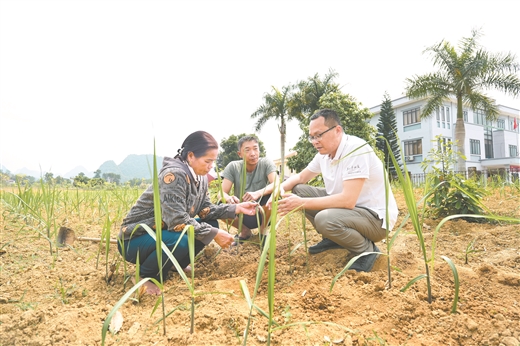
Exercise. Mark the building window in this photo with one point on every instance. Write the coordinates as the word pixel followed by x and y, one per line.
pixel 465 116
pixel 478 117
pixel 488 143
pixel 413 147
pixel 443 117
pixel 474 147
pixel 513 151
pixel 444 144
pixel 411 116
pixel 501 124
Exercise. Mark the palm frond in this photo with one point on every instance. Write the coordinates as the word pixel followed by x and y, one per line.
pixel 428 85
pixel 480 101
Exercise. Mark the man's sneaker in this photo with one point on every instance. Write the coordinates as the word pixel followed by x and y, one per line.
pixel 366 263
pixel 324 245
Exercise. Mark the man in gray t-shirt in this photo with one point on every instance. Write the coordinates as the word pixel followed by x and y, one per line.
pixel 260 172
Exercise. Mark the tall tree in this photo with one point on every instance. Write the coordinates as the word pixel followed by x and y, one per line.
pixel 80 180
pixel 304 103
pixel 49 178
pixel 387 131
pixel 354 120
pixel 61 181
pixel 229 149
pixel 306 99
pixel 111 177
pixel 465 73
pixel 276 106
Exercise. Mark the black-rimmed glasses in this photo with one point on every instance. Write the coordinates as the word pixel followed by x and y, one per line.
pixel 319 135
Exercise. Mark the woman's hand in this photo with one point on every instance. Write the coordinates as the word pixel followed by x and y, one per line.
pixel 246 208
pixel 223 239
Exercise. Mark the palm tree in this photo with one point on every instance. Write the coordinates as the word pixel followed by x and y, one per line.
pixel 465 74
pixel 306 100
pixel 276 106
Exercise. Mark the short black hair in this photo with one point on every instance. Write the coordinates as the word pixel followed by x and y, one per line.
pixel 330 116
pixel 246 139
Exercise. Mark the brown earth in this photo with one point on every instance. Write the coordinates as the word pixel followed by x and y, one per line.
pixel 64 299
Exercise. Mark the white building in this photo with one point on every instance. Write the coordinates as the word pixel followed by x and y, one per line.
pixel 489 145
pixel 287 171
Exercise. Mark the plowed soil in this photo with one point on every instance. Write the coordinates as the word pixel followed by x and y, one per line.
pixel 63 299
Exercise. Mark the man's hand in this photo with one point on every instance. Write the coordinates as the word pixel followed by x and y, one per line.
pixel 281 193
pixel 288 203
pixel 232 200
pixel 223 239
pixel 250 196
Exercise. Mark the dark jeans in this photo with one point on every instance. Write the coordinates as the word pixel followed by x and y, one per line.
pixel 144 245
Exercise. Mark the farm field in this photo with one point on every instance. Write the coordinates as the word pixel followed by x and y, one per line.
pixel 63 298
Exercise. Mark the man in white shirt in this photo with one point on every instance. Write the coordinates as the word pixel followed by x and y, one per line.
pixel 350 212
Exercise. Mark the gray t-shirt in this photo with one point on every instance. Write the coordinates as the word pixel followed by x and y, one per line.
pixel 255 180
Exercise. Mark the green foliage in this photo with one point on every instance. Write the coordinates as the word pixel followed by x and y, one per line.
pixel 4 178
pixel 65 292
pixel 455 195
pixel 387 131
pixel 353 119
pixel 229 149
pixel 470 248
pixel 452 193
pixel 59 180
pixel 353 116
pixel 306 98
pixel 112 178
pixel 23 179
pixel 305 152
pixel 139 182
pixel 96 182
pixel 49 178
pixel 81 180
pixel 305 102
pixel 23 305
pixel 456 283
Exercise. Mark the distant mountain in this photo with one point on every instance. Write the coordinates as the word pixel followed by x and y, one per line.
pixel 4 169
pixel 30 172
pixel 77 170
pixel 109 167
pixel 133 166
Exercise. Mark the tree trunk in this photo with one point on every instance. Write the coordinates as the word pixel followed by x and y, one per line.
pixel 460 137
pixel 282 147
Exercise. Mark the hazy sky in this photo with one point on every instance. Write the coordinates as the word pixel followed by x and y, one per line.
pixel 83 82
